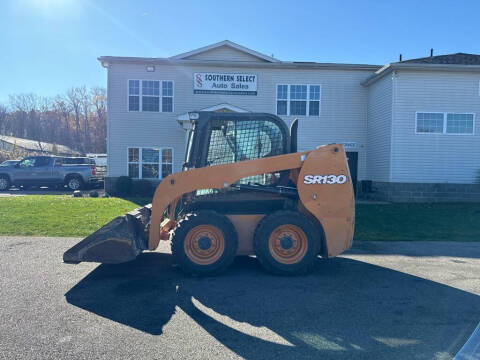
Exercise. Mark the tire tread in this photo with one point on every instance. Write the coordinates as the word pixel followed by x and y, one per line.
pixel 203 217
pixel 262 234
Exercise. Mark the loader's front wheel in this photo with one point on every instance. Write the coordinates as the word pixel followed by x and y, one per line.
pixel 204 243
pixel 287 243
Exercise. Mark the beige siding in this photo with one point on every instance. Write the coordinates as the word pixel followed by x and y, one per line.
pixel 342 118
pixel 434 158
pixel 224 53
pixel 379 129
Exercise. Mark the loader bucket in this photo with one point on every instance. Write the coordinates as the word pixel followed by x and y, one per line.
pixel 120 240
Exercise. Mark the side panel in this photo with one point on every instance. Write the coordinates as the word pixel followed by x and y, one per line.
pixel 435 157
pixel 245 226
pixel 379 129
pixel 330 198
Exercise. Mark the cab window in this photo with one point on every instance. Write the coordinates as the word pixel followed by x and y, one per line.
pixel 27 163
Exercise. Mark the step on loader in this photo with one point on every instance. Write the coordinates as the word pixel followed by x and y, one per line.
pixel 244 190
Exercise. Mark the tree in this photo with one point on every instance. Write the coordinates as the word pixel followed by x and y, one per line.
pixel 76 119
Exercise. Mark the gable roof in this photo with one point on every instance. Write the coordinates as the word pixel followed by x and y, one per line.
pixel 225 43
pixel 458 58
pixel 34 145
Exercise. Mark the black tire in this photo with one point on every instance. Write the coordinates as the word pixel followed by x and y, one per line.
pixel 5 183
pixel 74 182
pixel 294 246
pixel 190 254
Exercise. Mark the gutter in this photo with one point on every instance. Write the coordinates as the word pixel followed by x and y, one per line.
pixel 107 60
pixel 418 67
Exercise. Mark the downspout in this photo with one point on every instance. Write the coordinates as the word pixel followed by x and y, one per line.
pixel 108 66
pixel 392 121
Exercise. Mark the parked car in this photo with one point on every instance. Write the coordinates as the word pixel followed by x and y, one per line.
pixel 10 162
pixel 48 171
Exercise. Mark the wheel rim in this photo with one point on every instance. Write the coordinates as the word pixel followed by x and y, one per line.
pixel 288 244
pixel 74 184
pixel 3 184
pixel 204 244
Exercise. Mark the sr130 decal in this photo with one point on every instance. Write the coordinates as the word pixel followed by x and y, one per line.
pixel 324 179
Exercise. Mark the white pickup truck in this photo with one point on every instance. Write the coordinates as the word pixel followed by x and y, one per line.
pixel 50 171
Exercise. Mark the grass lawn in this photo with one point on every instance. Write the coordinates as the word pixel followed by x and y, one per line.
pixel 413 222
pixel 52 215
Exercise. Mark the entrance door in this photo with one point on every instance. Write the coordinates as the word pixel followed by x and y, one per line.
pixel 352 158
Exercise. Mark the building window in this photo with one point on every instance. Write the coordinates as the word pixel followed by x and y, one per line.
pixel 445 123
pixel 430 123
pixel 133 95
pixel 301 100
pixel 145 95
pixel 460 123
pixel 314 102
pixel 298 99
pixel 282 99
pixel 167 96
pixel 145 163
pixel 167 162
pixel 133 161
pixel 150 163
pixel 150 95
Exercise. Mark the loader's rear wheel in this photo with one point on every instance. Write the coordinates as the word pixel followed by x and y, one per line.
pixel 204 243
pixel 287 243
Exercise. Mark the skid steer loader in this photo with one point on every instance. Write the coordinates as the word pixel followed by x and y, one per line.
pixel 244 190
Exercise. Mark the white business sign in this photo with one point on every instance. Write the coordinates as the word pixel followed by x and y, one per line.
pixel 227 84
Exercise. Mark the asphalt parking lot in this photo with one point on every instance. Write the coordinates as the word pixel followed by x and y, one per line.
pixel 380 301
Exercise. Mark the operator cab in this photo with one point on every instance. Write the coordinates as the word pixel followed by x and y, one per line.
pixel 233 137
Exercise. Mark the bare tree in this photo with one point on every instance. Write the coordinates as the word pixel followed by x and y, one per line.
pixel 76 119
pixel 3 119
pixel 86 105
pixel 99 101
pixel 73 98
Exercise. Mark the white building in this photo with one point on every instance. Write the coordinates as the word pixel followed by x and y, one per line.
pixel 410 128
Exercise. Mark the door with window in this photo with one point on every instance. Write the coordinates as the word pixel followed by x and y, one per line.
pixel 33 170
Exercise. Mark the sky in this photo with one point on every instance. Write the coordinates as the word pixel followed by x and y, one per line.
pixel 49 46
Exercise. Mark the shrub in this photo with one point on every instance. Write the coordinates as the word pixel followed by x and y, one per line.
pixel 143 188
pixel 123 186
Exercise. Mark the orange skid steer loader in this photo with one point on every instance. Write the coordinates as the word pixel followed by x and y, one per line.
pixel 244 190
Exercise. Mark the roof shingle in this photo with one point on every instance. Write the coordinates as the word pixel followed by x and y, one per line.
pixel 458 59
